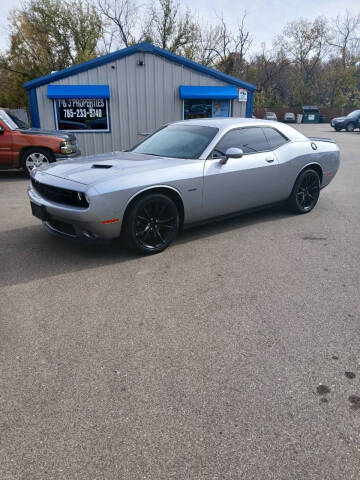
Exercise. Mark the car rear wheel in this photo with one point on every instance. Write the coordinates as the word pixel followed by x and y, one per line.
pixel 350 127
pixel 305 193
pixel 151 224
pixel 35 157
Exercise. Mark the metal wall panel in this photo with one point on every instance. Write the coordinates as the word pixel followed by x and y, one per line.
pixel 142 99
pixel 238 109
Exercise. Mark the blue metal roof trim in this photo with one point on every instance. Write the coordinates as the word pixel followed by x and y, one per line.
pixel 140 47
pixel 213 93
pixel 78 91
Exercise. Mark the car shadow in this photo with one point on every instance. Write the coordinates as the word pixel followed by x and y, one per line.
pixel 30 253
pixel 12 175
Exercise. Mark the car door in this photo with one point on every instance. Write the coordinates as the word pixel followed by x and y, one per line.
pixel 240 183
pixel 6 143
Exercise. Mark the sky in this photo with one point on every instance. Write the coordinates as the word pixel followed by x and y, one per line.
pixel 266 18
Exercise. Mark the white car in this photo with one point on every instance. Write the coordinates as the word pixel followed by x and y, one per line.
pixel 270 116
pixel 289 117
pixel 185 173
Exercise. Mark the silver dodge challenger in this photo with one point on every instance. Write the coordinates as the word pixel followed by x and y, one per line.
pixel 185 173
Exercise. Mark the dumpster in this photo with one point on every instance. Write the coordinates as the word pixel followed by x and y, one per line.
pixel 311 114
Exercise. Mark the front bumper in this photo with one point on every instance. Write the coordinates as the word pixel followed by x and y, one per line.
pixel 338 125
pixel 75 222
pixel 67 156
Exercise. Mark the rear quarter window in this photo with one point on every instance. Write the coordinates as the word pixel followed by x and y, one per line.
pixel 274 137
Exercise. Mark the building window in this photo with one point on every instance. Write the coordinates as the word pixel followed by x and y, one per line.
pixel 201 108
pixel 82 114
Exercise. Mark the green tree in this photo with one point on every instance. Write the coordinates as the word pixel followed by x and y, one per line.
pixel 46 36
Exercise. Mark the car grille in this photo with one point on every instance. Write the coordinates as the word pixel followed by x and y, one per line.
pixel 60 195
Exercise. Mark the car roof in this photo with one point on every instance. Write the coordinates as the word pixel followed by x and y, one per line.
pixel 233 122
pixel 223 122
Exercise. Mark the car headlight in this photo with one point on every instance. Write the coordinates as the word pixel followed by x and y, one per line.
pixel 67 147
pixel 83 199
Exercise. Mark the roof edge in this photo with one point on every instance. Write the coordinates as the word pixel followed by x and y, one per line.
pixel 140 47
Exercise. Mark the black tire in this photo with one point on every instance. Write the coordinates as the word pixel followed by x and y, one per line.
pixel 151 224
pixel 39 156
pixel 306 191
pixel 350 127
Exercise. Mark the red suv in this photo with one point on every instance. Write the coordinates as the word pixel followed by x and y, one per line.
pixel 26 148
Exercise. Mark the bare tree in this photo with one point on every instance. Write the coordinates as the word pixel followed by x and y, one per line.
pixel 220 46
pixel 306 42
pixel 243 42
pixel 345 35
pixel 170 27
pixel 122 19
pixel 270 65
pixel 207 45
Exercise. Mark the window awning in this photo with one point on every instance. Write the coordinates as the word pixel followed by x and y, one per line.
pixel 212 93
pixel 78 91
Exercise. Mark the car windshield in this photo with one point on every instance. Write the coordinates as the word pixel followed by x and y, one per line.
pixel 8 120
pixel 355 113
pixel 177 141
pixel 19 123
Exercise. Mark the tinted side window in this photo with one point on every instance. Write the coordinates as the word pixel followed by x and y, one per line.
pixel 250 140
pixel 276 139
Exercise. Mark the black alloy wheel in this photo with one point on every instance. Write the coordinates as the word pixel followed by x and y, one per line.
pixel 305 193
pixel 151 224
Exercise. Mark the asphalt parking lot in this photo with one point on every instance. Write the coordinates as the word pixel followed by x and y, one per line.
pixel 224 357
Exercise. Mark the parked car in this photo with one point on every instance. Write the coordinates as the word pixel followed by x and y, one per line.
pixel 270 116
pixel 289 117
pixel 25 147
pixel 349 123
pixel 186 172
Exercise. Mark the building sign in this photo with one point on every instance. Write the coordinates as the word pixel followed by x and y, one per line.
pixel 220 108
pixel 242 95
pixel 82 114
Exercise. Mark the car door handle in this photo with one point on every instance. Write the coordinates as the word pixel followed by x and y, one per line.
pixel 269 159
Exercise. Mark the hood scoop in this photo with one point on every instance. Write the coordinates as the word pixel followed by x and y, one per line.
pixel 100 165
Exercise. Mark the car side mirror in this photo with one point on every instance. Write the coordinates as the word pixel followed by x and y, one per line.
pixel 232 152
pixel 2 129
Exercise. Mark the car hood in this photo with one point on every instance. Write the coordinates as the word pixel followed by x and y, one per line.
pixel 97 168
pixel 338 119
pixel 48 133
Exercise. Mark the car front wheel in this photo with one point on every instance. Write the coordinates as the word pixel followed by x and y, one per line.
pixel 151 224
pixel 350 127
pixel 35 157
pixel 305 193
